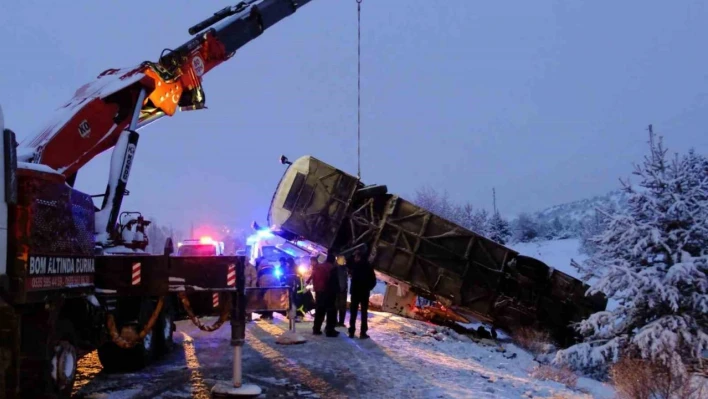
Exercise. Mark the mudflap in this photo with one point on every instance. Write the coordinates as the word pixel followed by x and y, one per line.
pixel 9 351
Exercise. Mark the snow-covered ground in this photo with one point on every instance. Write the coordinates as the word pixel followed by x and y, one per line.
pixel 555 253
pixel 403 359
pixel 436 362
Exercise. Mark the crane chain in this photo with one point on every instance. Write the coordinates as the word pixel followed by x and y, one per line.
pixel 127 343
pixel 223 317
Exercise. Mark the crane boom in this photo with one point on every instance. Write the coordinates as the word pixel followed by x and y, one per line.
pixel 128 99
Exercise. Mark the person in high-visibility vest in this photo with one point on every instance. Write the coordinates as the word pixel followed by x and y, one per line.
pixel 292 280
pixel 341 299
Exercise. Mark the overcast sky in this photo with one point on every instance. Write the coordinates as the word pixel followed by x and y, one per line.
pixel 548 101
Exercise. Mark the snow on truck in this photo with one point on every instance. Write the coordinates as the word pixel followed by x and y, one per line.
pixel 425 254
pixel 75 277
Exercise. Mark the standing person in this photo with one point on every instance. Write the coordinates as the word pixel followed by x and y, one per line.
pixel 322 278
pixel 363 281
pixel 305 300
pixel 251 281
pixel 292 281
pixel 332 291
pixel 290 266
pixel 266 278
pixel 281 269
pixel 341 302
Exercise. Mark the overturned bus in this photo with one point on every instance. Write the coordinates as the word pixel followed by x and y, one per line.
pixel 433 257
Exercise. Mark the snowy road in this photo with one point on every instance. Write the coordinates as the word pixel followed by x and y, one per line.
pixel 404 358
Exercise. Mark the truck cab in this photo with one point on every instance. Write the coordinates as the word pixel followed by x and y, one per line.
pixel 204 246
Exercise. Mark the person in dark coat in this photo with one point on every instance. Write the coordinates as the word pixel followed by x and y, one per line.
pixel 325 284
pixel 267 278
pixel 341 300
pixel 363 281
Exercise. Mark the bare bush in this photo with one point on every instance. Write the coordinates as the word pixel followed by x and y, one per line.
pixel 645 379
pixel 561 375
pixel 533 340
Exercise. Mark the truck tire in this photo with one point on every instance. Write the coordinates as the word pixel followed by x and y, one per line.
pixel 114 358
pixel 49 369
pixel 64 362
pixel 164 328
pixel 9 335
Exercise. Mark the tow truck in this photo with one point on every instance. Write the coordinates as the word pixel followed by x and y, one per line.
pixel 75 277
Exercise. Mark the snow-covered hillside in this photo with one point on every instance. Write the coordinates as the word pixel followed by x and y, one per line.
pixel 584 209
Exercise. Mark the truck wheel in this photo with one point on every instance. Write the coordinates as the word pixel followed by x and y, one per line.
pixel 164 328
pixel 63 358
pixel 145 353
pixel 63 372
pixel 109 356
pixel 115 358
pixel 55 361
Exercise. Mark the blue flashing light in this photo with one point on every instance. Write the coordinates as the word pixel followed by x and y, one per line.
pixel 265 233
pixel 259 235
pixel 277 272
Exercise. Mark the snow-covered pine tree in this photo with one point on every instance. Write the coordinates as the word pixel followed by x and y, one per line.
pixel 590 227
pixel 499 230
pixel 652 260
pixel 440 204
pixel 472 219
pixel 526 229
pixel 156 237
pixel 480 222
pixel 560 229
pixel 426 197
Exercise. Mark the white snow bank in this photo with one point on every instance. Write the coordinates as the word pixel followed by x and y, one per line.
pixel 454 366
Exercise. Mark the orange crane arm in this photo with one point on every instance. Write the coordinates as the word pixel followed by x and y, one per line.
pixel 128 99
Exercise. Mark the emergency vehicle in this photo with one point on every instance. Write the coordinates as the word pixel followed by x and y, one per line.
pixel 204 246
pixel 269 248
